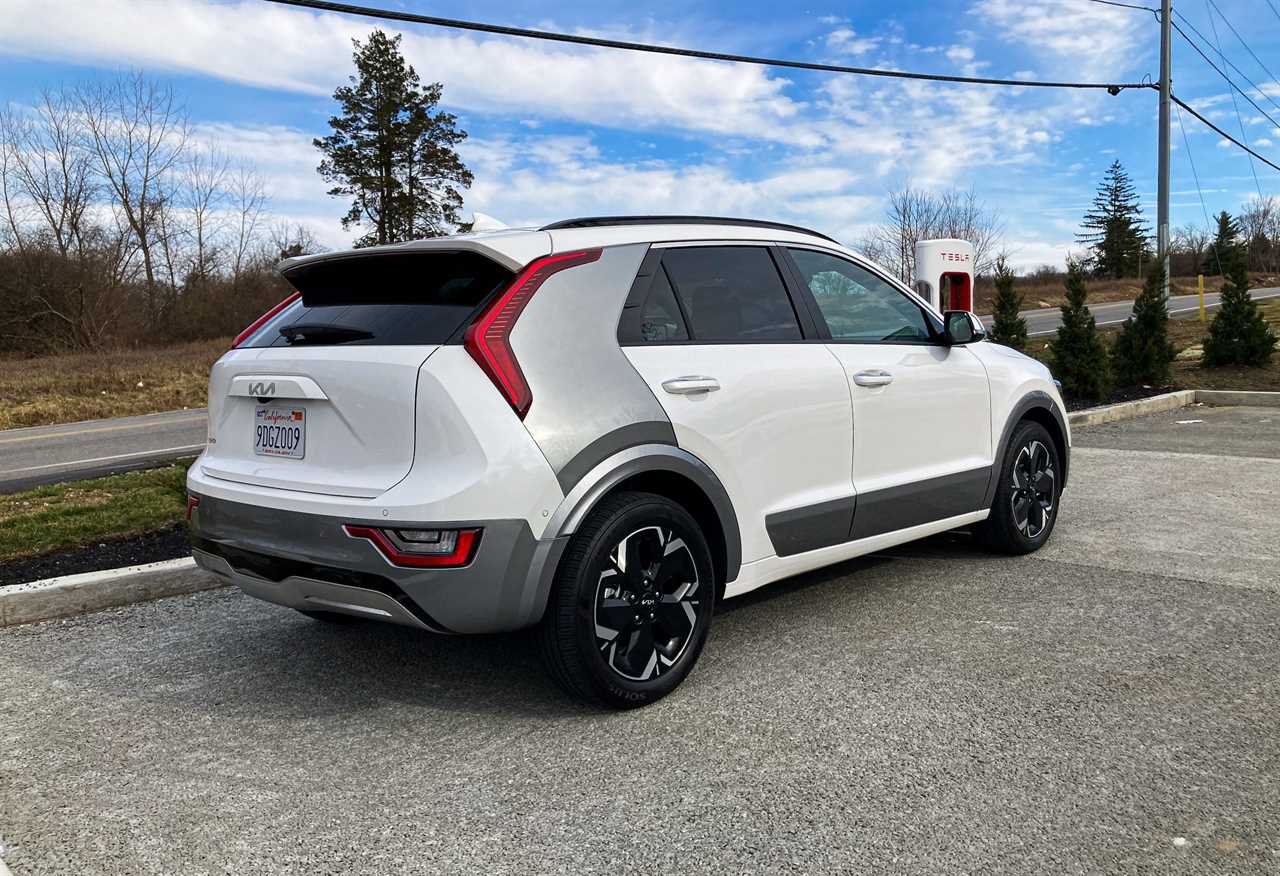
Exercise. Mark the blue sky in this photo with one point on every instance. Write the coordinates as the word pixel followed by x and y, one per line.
pixel 557 131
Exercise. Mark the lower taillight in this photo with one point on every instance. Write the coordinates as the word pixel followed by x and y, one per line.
pixel 193 502
pixel 420 548
pixel 488 339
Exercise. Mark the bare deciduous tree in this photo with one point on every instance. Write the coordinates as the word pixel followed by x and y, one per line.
pixel 916 214
pixel 137 132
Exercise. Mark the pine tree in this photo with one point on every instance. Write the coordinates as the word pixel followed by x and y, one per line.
pixel 1113 228
pixel 1007 327
pixel 1142 352
pixel 1238 334
pixel 391 151
pixel 1079 356
pixel 1226 244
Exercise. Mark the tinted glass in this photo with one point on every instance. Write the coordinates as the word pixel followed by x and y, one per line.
pixel 731 293
pixel 858 305
pixel 403 298
pixel 660 318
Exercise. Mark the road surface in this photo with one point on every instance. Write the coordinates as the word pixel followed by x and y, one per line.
pixel 1045 321
pixel 51 454
pixel 1106 705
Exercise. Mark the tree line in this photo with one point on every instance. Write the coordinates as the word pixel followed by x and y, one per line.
pixel 120 226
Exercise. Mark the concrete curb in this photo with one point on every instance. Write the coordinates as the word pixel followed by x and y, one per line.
pixel 1124 410
pixel 94 591
pixel 1171 401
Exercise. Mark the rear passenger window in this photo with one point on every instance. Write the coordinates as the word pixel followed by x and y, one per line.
pixel 731 293
pixel 660 318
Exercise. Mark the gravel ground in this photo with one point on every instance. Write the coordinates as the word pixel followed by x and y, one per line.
pixel 1102 706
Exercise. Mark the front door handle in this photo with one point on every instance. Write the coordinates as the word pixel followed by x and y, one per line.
pixel 873 377
pixel 690 385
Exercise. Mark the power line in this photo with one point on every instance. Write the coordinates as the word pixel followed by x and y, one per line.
pixel 1267 161
pixel 1235 105
pixel 598 42
pixel 1230 63
pixel 1228 23
pixel 1230 81
pixel 1199 191
pixel 1150 9
pixel 1273 8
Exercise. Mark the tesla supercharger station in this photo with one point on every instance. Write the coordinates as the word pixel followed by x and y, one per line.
pixel 944 273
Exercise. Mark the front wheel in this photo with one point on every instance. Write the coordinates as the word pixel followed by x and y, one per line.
pixel 1025 505
pixel 631 605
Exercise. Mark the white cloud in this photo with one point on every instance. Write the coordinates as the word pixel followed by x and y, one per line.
pixel 1100 40
pixel 846 41
pixel 290 49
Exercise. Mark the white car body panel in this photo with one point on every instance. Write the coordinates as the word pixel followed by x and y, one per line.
pixel 778 433
pixel 934 419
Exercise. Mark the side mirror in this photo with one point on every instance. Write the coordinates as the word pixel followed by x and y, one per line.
pixel 962 327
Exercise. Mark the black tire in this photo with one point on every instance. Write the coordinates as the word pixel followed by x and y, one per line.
pixel 332 617
pixel 1025 506
pixel 669 594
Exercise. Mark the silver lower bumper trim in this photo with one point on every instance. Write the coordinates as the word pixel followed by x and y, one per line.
pixel 309 594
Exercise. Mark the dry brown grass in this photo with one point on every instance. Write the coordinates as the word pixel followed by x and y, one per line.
pixel 118 383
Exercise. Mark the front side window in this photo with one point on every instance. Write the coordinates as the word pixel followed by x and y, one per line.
pixel 856 304
pixel 731 294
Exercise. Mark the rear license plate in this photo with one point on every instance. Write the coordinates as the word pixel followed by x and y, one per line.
pixel 280 432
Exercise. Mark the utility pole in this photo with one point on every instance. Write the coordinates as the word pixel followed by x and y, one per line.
pixel 1162 196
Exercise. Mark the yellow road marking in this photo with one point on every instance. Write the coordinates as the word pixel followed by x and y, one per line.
pixel 24 438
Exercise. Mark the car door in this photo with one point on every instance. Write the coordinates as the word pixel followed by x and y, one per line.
pixel 922 447
pixel 720 341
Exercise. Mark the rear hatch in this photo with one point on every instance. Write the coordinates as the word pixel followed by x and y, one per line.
pixel 321 396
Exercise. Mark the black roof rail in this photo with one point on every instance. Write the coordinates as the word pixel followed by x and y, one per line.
pixel 601 221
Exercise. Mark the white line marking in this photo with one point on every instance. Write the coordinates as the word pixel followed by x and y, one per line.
pixel 118 456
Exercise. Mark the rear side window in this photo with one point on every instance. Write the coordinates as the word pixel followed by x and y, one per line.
pixel 731 293
pixel 383 299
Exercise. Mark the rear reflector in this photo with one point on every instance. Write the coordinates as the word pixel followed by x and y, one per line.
pixel 421 548
pixel 262 320
pixel 488 339
pixel 193 502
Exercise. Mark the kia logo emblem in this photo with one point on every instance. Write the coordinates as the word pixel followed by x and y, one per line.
pixel 262 390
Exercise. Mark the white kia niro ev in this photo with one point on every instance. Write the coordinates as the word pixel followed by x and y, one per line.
pixel 601 428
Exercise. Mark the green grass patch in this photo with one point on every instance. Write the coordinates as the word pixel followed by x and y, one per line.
pixel 81 513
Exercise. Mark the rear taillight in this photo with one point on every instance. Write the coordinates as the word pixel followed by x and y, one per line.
pixel 420 548
pixel 488 339
pixel 264 319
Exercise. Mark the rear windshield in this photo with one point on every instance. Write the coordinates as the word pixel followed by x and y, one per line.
pixel 382 299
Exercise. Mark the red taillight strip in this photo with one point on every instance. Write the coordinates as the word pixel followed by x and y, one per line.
pixel 488 339
pixel 461 555
pixel 193 502
pixel 262 320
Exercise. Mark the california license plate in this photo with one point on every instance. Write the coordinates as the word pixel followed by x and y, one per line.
pixel 280 432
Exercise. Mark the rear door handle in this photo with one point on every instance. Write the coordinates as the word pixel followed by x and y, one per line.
pixel 691 385
pixel 873 377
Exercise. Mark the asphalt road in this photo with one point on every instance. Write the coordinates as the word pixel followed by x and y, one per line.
pixel 1108 704
pixel 50 454
pixel 1045 321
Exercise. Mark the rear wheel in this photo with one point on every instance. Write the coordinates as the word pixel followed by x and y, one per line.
pixel 631 606
pixel 1025 505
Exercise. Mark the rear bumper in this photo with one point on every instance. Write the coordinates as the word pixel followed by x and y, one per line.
pixel 308 562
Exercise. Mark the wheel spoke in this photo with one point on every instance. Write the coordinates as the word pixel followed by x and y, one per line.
pixel 1021 511
pixel 675 622
pixel 636 655
pixel 613 616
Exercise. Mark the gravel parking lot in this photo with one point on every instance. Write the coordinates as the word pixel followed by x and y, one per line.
pixel 1109 704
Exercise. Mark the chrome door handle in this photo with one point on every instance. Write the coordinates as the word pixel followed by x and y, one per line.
pixel 874 377
pixel 691 385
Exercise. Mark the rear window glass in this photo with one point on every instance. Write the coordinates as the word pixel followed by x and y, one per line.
pixel 384 299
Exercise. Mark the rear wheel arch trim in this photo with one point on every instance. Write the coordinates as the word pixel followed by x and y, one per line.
pixel 1032 401
pixel 642 459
